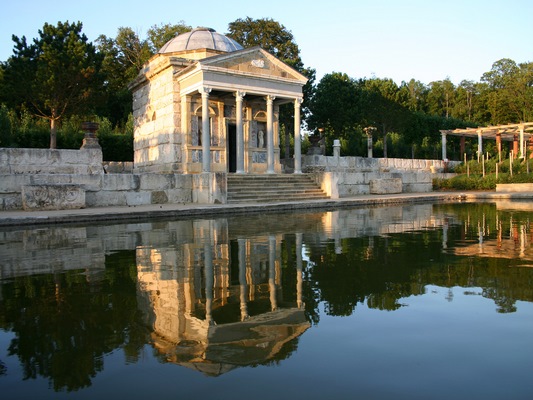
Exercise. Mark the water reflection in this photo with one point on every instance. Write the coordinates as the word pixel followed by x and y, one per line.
pixel 214 295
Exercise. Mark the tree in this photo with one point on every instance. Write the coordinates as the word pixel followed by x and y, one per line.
pixel 124 56
pixel 278 41
pixel 57 75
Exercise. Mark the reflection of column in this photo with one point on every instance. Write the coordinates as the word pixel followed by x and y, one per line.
pixel 240 133
pixel 242 278
pixel 297 137
pixel 209 279
pixel 445 235
pixel 206 135
pixel 270 134
pixel 299 279
pixel 272 271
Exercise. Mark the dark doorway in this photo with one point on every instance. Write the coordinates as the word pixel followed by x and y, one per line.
pixel 232 148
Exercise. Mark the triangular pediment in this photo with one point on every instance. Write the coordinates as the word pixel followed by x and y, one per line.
pixel 254 61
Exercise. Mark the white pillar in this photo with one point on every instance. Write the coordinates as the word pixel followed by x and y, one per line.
pixel 240 131
pixel 522 144
pixel 479 144
pixel 297 137
pixel 369 144
pixel 206 134
pixel 443 137
pixel 270 134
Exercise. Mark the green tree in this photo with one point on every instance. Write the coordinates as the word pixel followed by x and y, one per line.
pixel 55 76
pixel 273 37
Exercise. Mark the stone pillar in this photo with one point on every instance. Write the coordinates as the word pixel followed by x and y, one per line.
pixel 242 279
pixel 443 138
pixel 270 134
pixel 272 272
pixel 297 137
pixel 522 144
pixel 299 273
pixel 479 144
pixel 336 148
pixel 515 146
pixel 185 129
pixel 240 131
pixel 206 134
pixel 499 143
pixel 462 145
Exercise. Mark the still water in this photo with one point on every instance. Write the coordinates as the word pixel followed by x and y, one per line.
pixel 431 301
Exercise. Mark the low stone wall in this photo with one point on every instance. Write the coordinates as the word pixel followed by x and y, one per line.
pixel 50 161
pixel 342 177
pixel 514 187
pixel 65 191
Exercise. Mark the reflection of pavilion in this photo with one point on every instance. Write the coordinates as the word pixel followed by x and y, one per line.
pixel 217 304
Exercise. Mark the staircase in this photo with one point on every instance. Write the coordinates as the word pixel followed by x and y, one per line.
pixel 261 188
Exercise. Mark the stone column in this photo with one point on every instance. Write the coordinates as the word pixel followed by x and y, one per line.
pixel 522 144
pixel 270 134
pixel 206 134
pixel 240 131
pixel 443 138
pixel 479 144
pixel 499 143
pixel 297 137
pixel 185 129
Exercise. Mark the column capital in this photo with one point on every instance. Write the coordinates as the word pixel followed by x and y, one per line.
pixel 239 94
pixel 205 90
pixel 270 99
pixel 298 101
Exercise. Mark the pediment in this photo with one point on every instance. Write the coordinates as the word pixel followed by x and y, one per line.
pixel 254 61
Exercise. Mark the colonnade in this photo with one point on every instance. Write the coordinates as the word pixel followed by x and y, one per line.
pixel 240 151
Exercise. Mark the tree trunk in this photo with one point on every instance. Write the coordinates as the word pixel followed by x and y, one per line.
pixel 53 133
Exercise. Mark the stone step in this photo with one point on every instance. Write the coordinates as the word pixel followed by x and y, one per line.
pixel 271 188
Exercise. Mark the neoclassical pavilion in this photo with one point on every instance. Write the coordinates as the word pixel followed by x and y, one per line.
pixel 519 134
pixel 203 94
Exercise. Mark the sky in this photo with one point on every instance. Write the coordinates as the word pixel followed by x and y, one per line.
pixel 425 40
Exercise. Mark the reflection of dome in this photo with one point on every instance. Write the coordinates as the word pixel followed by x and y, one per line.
pixel 200 38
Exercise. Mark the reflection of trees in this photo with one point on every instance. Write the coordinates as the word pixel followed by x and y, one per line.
pixel 70 321
pixel 382 270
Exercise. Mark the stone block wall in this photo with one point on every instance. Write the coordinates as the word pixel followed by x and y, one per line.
pixel 342 177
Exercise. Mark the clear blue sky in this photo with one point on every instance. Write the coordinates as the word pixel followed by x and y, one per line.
pixel 427 40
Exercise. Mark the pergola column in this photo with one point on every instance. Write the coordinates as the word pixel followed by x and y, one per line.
pixel 479 143
pixel 443 138
pixel 270 134
pixel 206 134
pixel 240 131
pixel 297 137
pixel 499 144
pixel 522 144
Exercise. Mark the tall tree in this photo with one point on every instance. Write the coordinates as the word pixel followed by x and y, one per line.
pixel 55 76
pixel 273 37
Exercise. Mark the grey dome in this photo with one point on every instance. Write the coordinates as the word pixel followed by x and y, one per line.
pixel 200 38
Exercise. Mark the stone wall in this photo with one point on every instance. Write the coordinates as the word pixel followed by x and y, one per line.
pixel 342 177
pixel 41 179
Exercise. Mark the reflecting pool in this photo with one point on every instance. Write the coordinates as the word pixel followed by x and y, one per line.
pixel 425 301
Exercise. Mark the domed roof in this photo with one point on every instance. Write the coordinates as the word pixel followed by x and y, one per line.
pixel 200 38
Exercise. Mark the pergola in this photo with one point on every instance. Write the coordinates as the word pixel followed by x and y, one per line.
pixel 516 133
